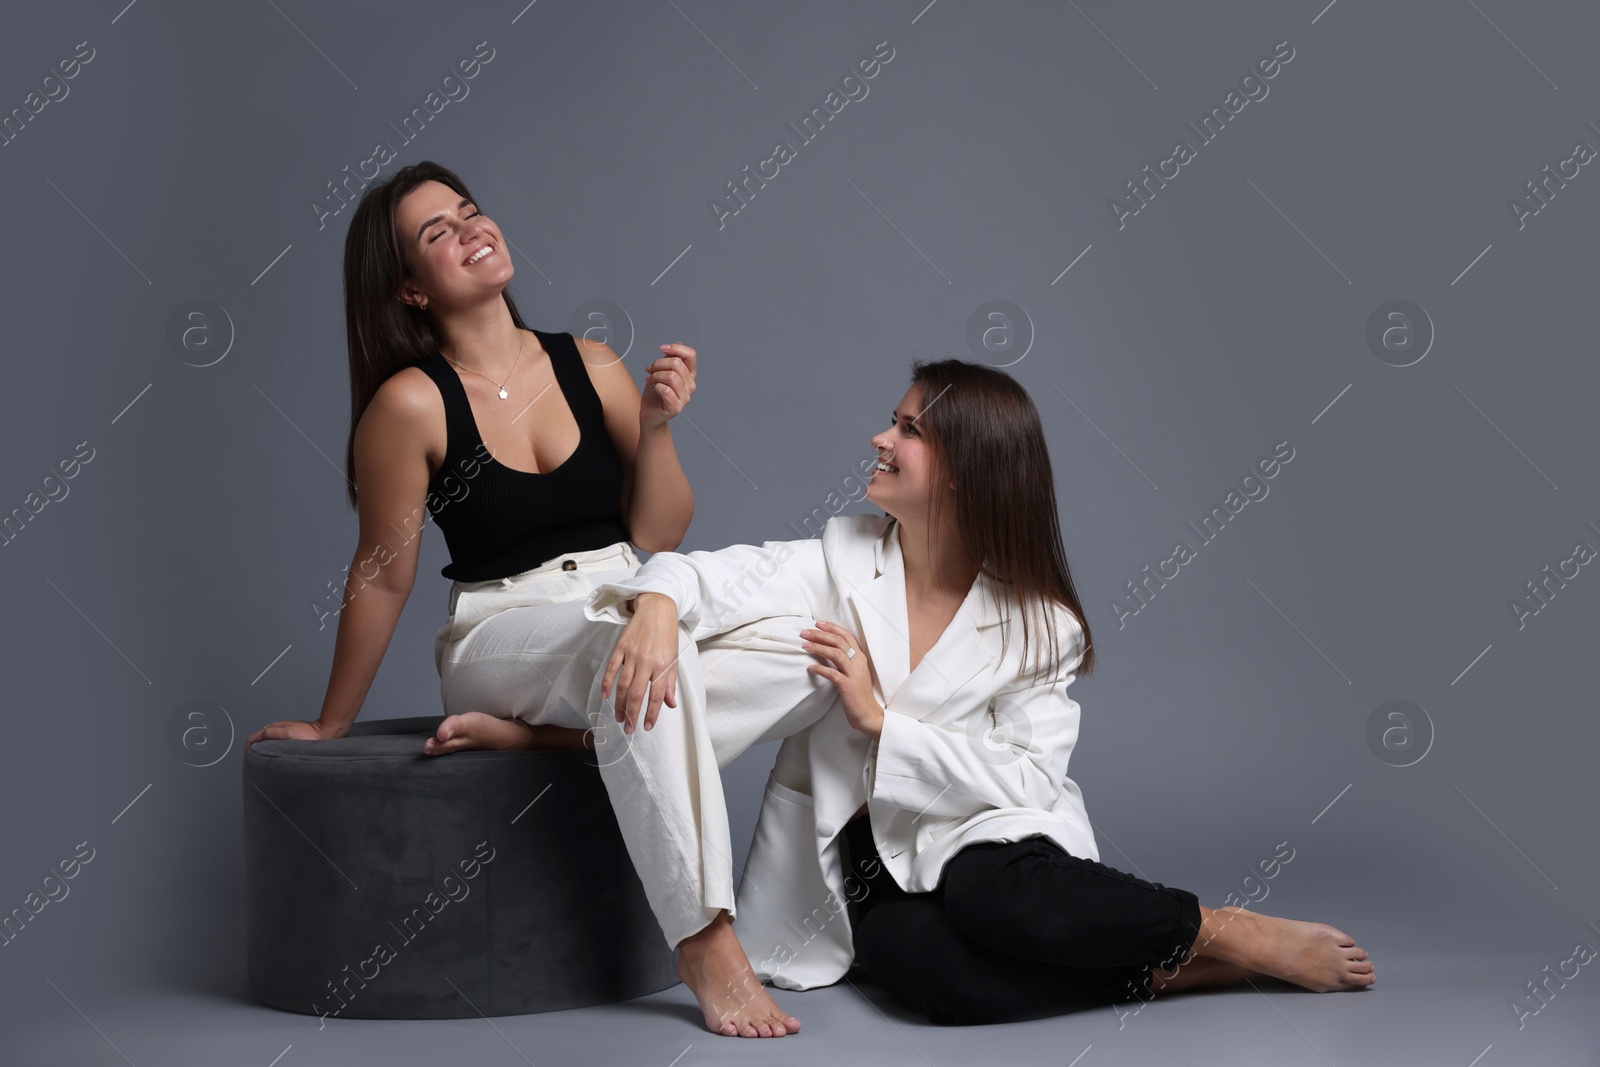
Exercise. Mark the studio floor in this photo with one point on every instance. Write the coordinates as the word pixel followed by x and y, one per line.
pixel 1440 1008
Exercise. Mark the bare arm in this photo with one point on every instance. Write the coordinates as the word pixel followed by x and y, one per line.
pixel 366 626
pixel 657 502
pixel 392 473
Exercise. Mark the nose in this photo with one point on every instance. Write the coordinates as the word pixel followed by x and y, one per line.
pixel 471 237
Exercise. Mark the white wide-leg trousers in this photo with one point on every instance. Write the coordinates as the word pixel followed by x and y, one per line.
pixel 522 647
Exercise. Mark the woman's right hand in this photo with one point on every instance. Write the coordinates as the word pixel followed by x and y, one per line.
pixel 644 663
pixel 293 730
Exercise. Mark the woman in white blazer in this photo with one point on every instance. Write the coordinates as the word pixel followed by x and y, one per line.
pixel 925 827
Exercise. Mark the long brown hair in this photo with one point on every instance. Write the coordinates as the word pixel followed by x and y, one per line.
pixel 383 334
pixel 984 434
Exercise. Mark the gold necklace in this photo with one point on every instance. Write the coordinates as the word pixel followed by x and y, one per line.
pixel 502 385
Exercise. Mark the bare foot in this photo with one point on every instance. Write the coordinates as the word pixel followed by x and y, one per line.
pixel 1201 972
pixel 713 965
pixel 474 729
pixel 1315 956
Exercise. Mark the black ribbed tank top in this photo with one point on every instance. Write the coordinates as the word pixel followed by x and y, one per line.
pixel 498 521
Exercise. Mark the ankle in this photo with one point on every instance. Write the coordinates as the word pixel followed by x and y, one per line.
pixel 527 735
pixel 1225 934
pixel 547 738
pixel 709 936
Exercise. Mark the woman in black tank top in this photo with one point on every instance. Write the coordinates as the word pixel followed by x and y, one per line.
pixel 594 466
pixel 536 512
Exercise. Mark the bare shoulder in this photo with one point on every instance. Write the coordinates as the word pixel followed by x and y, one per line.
pixel 619 396
pixel 605 367
pixel 406 413
pixel 407 395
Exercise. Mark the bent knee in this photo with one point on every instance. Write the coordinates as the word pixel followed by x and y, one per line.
pixel 988 888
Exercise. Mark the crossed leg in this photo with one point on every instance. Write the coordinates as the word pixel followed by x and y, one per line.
pixel 529 678
pixel 756 689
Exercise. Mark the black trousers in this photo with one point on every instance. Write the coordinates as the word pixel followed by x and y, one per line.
pixel 1015 931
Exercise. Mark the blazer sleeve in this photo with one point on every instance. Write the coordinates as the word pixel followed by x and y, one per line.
pixel 716 591
pixel 1008 752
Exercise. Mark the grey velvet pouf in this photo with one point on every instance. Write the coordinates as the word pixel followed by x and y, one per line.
pixel 386 884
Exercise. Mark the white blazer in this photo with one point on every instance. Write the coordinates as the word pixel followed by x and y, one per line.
pixel 970 749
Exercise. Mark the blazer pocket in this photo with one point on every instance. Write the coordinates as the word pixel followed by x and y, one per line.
pixel 785 795
pixel 790 920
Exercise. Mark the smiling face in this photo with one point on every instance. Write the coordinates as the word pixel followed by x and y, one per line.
pixel 901 485
pixel 457 254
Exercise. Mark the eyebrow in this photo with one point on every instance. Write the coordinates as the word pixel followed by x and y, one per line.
pixel 423 228
pixel 895 416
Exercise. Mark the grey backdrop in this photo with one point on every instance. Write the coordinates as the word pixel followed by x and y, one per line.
pixel 1438 468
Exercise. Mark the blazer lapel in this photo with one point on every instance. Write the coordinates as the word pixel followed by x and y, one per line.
pixel 880 609
pixel 961 651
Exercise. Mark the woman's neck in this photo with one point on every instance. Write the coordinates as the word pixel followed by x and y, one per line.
pixel 934 562
pixel 484 339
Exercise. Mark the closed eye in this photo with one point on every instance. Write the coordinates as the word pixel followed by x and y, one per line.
pixel 440 233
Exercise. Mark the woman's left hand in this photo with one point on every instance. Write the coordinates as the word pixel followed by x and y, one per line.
pixel 668 383
pixel 845 663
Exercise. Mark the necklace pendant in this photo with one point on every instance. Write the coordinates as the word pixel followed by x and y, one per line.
pixel 503 394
